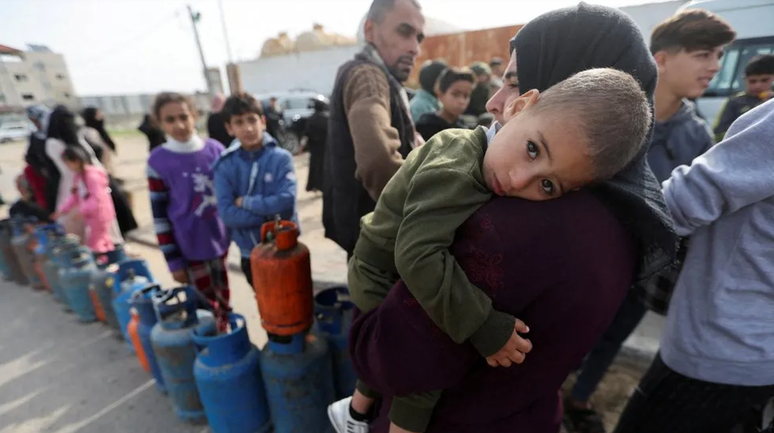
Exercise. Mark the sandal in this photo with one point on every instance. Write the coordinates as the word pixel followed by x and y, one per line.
pixel 582 420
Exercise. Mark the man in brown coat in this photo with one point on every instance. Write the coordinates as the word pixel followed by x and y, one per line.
pixel 370 130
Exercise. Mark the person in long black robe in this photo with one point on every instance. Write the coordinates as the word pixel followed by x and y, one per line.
pixel 316 133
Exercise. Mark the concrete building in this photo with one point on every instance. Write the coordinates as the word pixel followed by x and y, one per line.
pixel 35 76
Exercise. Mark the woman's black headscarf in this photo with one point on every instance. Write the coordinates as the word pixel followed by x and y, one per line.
pixel 61 125
pixel 90 118
pixel 558 44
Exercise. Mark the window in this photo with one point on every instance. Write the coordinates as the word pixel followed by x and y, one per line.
pixel 21 78
pixel 66 95
pixel 297 103
pixel 28 96
pixel 60 76
pixel 730 79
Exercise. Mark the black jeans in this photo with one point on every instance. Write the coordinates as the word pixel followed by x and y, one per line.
pixel 668 402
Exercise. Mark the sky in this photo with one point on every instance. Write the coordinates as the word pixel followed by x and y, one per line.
pixel 146 46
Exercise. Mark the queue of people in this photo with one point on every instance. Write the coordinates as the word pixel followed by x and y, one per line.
pixel 68 178
pixel 487 264
pixel 587 280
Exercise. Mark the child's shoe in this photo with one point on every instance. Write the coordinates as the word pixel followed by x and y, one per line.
pixel 342 420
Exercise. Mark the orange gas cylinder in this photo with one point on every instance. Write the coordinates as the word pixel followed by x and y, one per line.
pixel 131 329
pixel 98 311
pixel 282 279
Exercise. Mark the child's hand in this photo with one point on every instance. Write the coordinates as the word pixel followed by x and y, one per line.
pixel 514 351
pixel 239 201
pixel 181 276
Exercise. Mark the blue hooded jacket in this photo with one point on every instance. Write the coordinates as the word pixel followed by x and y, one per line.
pixel 678 141
pixel 266 178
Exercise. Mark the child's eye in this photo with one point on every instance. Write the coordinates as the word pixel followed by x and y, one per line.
pixel 532 150
pixel 548 186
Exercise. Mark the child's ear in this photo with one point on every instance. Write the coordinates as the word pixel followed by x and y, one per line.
pixel 519 104
pixel 228 129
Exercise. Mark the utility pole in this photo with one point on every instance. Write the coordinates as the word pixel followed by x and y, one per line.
pixel 195 17
pixel 225 31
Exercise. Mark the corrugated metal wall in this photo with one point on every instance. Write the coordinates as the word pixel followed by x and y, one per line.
pixel 462 49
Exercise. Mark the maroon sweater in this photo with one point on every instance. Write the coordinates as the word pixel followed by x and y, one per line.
pixel 562 266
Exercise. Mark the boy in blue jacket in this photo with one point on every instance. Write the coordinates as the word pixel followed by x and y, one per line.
pixel 254 178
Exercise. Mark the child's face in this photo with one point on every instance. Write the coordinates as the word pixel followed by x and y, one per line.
pixel 536 156
pixel 688 74
pixel 75 166
pixel 456 99
pixel 178 121
pixel 757 84
pixel 247 128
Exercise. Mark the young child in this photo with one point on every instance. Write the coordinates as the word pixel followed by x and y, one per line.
pixel 26 206
pixel 91 195
pixel 758 77
pixel 454 89
pixel 185 214
pixel 254 179
pixel 581 131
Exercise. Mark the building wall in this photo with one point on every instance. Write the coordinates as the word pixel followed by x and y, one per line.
pixel 127 111
pixel 35 78
pixel 312 70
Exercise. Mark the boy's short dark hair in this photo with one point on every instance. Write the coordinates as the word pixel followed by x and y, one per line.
pixel 691 30
pixel 762 64
pixel 165 98
pixel 612 110
pixel 452 75
pixel 241 103
pixel 429 73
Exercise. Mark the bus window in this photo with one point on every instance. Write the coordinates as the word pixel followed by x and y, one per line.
pixel 721 84
pixel 748 53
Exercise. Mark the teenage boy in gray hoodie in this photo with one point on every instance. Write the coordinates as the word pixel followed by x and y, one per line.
pixel 717 352
pixel 687 49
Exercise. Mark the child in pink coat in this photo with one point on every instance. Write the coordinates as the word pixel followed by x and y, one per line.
pixel 92 196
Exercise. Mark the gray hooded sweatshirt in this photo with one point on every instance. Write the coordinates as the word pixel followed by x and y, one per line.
pixel 720 325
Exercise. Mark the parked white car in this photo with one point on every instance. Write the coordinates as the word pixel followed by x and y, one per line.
pixel 13 131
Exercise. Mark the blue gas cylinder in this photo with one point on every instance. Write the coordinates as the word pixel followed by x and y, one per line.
pixel 13 270
pixel 333 314
pixel 20 242
pixel 228 377
pixel 102 282
pixel 142 302
pixel 57 249
pixel 75 279
pixel 174 349
pixel 131 276
pixel 299 384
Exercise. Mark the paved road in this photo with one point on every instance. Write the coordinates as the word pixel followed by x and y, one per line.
pixel 57 375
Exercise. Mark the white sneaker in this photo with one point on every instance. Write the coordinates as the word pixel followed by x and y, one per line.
pixel 342 421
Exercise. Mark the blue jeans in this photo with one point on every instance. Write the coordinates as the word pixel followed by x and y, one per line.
pixel 629 315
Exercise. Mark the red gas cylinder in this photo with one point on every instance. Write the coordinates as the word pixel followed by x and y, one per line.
pixel 282 279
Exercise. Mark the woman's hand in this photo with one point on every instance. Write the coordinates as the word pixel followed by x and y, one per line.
pixel 514 351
